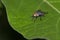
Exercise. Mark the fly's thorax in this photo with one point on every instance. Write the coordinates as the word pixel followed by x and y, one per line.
pixel 36 14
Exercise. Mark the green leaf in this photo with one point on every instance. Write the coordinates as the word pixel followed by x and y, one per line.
pixel 19 14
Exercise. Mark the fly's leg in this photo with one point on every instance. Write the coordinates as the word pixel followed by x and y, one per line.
pixel 40 17
pixel 34 18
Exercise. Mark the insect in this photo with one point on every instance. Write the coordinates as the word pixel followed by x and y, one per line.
pixel 37 14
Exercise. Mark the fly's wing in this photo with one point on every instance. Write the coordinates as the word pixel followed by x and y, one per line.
pixel 45 12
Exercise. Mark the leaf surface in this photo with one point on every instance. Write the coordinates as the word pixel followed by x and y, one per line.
pixel 19 14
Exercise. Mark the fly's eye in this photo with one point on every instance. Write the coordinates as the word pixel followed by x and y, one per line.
pixel 36 14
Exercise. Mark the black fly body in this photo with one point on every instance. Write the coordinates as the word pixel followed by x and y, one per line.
pixel 37 14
